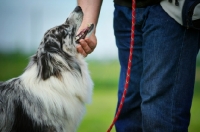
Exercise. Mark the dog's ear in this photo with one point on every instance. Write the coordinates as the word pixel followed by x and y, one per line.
pixel 47 67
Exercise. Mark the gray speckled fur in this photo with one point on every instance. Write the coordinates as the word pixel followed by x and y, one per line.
pixel 51 94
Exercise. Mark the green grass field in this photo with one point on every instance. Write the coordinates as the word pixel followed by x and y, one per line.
pixel 105 76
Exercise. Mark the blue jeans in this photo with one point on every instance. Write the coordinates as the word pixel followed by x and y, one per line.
pixel 163 71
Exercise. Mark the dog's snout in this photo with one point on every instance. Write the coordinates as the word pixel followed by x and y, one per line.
pixel 78 9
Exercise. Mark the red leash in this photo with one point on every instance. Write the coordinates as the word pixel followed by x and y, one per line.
pixel 129 68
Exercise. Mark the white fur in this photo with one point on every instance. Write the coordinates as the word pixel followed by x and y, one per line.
pixel 64 97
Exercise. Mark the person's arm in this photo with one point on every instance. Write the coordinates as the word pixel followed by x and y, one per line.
pixel 91 10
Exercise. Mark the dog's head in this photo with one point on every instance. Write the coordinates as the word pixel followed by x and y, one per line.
pixel 58 46
pixel 63 37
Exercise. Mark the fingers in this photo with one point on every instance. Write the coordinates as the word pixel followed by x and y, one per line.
pixel 87 45
pixel 91 43
pixel 81 51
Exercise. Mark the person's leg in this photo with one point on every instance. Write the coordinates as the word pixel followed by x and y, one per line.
pixel 130 117
pixel 169 58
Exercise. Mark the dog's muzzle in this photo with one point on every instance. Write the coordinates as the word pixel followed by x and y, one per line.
pixel 84 33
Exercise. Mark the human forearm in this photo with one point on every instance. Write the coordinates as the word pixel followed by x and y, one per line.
pixel 91 10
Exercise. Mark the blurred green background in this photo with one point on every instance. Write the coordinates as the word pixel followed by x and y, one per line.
pixel 23 24
pixel 105 74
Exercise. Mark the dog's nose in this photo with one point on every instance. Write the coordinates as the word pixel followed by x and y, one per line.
pixel 77 9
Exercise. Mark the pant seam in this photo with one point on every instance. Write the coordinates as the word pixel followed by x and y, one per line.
pixel 176 78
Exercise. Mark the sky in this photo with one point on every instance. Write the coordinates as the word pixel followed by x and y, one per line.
pixel 23 23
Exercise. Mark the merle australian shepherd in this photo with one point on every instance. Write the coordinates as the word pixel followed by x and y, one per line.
pixel 51 94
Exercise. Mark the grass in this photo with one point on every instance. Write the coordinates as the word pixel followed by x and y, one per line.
pixel 195 110
pixel 12 65
pixel 100 113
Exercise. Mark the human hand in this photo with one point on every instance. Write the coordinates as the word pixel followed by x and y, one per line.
pixel 87 45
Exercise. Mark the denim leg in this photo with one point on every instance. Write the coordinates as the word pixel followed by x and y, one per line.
pixel 130 117
pixel 163 71
pixel 167 82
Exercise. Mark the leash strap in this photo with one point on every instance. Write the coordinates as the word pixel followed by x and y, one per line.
pixel 128 70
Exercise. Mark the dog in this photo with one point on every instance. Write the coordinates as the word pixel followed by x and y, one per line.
pixel 51 94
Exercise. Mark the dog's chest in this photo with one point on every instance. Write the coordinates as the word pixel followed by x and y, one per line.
pixel 57 102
